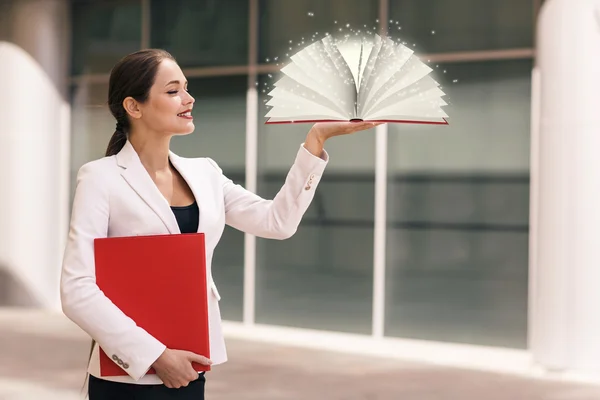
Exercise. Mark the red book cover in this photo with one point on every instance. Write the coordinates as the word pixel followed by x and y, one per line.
pixel 160 282
pixel 441 121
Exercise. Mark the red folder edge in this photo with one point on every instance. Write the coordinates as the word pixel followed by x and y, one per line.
pixel 189 293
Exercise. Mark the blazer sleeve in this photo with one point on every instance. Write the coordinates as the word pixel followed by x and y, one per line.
pixel 82 300
pixel 277 218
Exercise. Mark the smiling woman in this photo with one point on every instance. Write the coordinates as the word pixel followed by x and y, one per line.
pixel 141 188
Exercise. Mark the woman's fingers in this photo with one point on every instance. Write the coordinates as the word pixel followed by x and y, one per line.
pixel 198 358
pixel 361 126
pixel 330 129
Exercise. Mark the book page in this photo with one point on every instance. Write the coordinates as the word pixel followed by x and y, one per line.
pixel 382 70
pixel 288 94
pixel 411 72
pixel 345 74
pixel 291 111
pixel 306 118
pixel 316 81
pixel 312 84
pixel 414 104
pixel 367 72
pixel 315 62
pixel 356 53
pixel 327 100
pixel 293 105
pixel 424 89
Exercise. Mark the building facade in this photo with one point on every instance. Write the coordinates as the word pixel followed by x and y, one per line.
pixel 418 239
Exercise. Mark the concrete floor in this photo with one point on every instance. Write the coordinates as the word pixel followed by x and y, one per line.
pixel 42 356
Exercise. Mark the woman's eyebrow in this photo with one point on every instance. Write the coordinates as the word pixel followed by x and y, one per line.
pixel 175 81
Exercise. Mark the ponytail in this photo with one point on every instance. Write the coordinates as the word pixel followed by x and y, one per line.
pixel 117 141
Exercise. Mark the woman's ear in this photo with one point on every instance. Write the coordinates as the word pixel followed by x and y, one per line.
pixel 132 108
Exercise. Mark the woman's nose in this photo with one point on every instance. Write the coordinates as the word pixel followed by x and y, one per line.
pixel 190 99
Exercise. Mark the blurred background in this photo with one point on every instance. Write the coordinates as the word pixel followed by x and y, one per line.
pixel 419 238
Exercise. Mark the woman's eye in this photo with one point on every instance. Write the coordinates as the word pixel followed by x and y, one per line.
pixel 172 92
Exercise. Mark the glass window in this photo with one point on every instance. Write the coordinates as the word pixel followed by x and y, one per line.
pixel 295 21
pixel 462 25
pixel 220 119
pixel 103 33
pixel 5 21
pixel 458 212
pixel 92 124
pixel 201 32
pixel 322 277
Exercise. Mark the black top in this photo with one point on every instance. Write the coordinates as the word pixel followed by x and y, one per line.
pixel 187 217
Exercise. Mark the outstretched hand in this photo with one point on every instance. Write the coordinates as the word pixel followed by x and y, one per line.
pixel 322 131
pixel 327 130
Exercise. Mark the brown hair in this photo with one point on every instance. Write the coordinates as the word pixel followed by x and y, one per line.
pixel 132 76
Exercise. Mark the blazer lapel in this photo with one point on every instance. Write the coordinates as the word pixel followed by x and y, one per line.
pixel 194 181
pixel 138 178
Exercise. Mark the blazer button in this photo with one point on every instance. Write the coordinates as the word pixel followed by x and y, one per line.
pixel 120 362
pixel 125 365
pixel 114 357
pixel 307 187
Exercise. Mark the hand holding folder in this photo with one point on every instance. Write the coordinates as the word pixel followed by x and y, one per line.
pixel 160 282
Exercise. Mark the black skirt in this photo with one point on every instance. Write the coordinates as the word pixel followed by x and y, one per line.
pixel 101 389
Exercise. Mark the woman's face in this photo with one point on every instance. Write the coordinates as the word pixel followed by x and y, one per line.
pixel 169 106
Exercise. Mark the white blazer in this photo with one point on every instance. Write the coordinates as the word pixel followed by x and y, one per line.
pixel 115 196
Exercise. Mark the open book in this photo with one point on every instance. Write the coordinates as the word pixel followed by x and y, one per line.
pixel 356 80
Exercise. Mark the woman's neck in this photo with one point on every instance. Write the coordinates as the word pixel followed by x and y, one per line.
pixel 153 151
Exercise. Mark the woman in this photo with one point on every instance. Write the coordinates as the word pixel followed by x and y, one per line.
pixel 141 188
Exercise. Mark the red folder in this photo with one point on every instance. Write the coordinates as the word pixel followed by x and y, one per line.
pixel 160 282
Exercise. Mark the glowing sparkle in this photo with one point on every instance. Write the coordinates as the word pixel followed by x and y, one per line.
pixel 311 14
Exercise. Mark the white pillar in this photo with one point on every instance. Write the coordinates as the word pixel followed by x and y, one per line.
pixel 565 320
pixel 34 146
